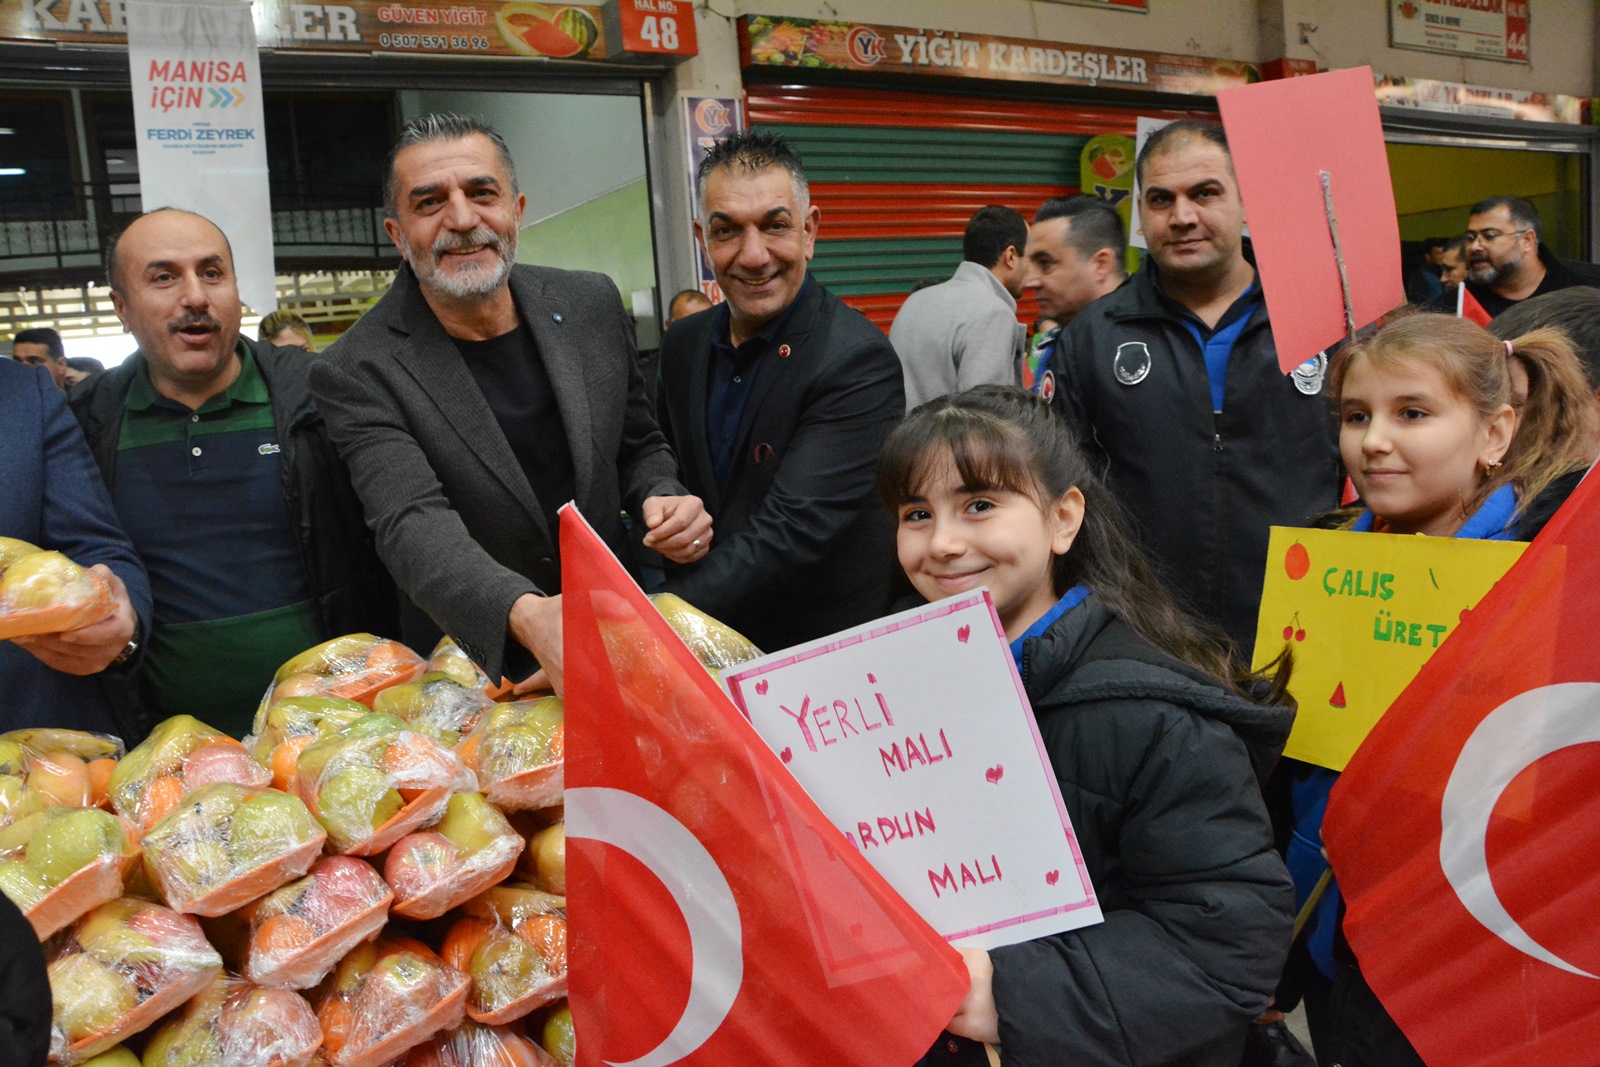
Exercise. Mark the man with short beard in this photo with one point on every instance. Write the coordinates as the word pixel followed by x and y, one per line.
pixel 223 476
pixel 480 395
pixel 1507 259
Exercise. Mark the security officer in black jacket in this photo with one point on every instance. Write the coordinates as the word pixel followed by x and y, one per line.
pixel 1173 385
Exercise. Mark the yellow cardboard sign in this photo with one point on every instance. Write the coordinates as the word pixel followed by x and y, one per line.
pixel 1363 612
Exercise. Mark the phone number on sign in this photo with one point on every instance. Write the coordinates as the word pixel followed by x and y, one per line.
pixel 428 40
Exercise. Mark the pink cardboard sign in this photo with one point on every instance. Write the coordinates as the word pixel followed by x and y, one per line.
pixel 915 738
pixel 1283 136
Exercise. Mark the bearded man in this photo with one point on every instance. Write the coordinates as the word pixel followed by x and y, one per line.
pixel 477 397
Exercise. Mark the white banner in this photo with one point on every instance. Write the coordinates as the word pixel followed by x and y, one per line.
pixel 202 136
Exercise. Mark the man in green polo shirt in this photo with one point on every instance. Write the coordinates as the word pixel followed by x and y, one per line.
pixel 223 476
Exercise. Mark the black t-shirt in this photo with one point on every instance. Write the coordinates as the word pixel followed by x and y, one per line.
pixel 512 378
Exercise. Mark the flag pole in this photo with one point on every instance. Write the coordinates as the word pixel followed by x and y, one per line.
pixel 1338 254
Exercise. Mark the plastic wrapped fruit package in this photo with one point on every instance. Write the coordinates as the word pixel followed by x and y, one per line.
pixel 517 752
pixel 448 658
pixel 435 704
pixel 116 1056
pixel 299 932
pixel 236 1023
pixel 224 845
pixel 386 997
pixel 474 1045
pixel 545 862
pixel 376 781
pixel 45 592
pixel 511 902
pixel 45 767
pixel 59 863
pixel 515 968
pixel 354 667
pixel 181 755
pixel 714 644
pixel 472 848
pixel 282 730
pixel 118 970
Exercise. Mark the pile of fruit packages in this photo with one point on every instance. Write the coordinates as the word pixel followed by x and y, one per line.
pixel 375 876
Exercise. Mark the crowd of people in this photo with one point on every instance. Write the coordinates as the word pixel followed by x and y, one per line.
pixel 792 471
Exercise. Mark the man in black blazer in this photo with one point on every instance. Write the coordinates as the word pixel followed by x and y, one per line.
pixel 478 396
pixel 777 402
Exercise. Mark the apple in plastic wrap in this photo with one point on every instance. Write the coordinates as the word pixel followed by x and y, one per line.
pixel 559 1038
pixel 435 704
pixel 355 667
pixel 45 580
pixel 180 755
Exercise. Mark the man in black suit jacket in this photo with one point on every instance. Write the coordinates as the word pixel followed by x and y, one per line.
pixel 477 397
pixel 777 403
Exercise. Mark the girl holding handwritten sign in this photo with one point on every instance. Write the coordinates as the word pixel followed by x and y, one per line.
pixel 1448 432
pixel 1156 733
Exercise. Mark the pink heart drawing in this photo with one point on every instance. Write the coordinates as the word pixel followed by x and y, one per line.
pixel 873 678
pixel 761 687
pixel 1052 877
pixel 963 633
pixel 994 774
pixel 786 755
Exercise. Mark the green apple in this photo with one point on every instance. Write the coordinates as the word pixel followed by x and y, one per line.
pixel 265 827
pixel 12 758
pixel 374 724
pixel 503 969
pixel 331 657
pixel 407 977
pixel 88 997
pixel 200 863
pixel 356 801
pixel 472 823
pixel 106 936
pixel 69 839
pixel 177 1045
pixel 22 885
pixel 115 1057
pixel 13 549
pixel 548 849
pixel 559 1039
pixel 43 580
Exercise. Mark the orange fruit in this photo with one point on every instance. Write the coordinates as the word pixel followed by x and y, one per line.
pixel 463 940
pixel 335 1014
pixel 100 782
pixel 162 795
pixel 284 934
pixel 468 751
pixel 285 761
pixel 558 742
pixel 548 936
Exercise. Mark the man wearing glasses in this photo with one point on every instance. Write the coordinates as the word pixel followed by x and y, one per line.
pixel 1507 262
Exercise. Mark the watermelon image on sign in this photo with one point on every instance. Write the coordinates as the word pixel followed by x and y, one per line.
pixel 537 30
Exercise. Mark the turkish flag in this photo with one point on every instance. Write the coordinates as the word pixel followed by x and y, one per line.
pixel 1467 307
pixel 1464 833
pixel 717 916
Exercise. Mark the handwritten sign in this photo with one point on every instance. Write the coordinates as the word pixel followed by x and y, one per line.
pixel 914 736
pixel 1363 612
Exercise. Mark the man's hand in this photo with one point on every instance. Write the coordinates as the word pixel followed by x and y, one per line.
pixel 535 622
pixel 89 649
pixel 977 1018
pixel 680 527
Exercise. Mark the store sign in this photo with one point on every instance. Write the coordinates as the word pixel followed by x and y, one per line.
pixel 707 120
pixel 459 28
pixel 657 27
pixel 1484 29
pixel 775 41
pixel 202 140
pixel 1452 98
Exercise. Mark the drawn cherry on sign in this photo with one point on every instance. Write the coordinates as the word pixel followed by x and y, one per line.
pixel 963 633
pixel 1052 877
pixel 994 774
pixel 1296 562
pixel 1294 629
pixel 787 754
pixel 761 687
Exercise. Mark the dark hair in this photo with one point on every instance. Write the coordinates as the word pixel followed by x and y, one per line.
pixel 42 335
pixel 280 320
pixel 991 231
pixel 444 126
pixel 113 280
pixel 1178 133
pixel 87 364
pixel 1092 224
pixel 1002 437
pixel 1574 311
pixel 1523 214
pixel 1434 244
pixel 1458 245
pixel 753 153
pixel 684 294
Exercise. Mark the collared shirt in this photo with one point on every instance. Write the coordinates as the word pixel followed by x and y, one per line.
pixel 201 495
pixel 1216 342
pixel 1069 600
pixel 731 374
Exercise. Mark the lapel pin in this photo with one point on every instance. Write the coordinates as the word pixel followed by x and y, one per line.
pixel 557 317
pixel 783 351
pixel 762 453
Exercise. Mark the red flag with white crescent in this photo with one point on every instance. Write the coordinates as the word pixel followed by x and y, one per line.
pixel 717 916
pixel 1465 830
pixel 1467 307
